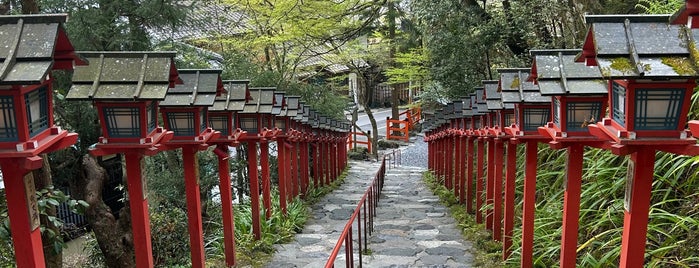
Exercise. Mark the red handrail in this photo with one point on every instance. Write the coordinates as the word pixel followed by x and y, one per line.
pixel 353 143
pixel 371 196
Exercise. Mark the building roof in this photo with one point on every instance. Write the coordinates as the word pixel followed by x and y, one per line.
pixel 199 88
pixel 124 76
pixel 634 46
pixel 515 88
pixel 557 73
pixel 31 46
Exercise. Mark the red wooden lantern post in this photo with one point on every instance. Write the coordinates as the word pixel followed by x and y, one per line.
pixel 34 45
pixel 125 88
pixel 478 127
pixel 503 114
pixel 579 95
pixel 222 118
pixel 648 105
pixel 184 112
pixel 531 111
pixel 467 112
pixel 256 119
pixel 459 152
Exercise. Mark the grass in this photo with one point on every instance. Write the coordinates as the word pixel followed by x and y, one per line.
pixel 673 228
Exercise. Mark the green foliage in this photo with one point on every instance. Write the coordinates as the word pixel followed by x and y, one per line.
pixel 659 7
pixel 411 67
pixel 169 236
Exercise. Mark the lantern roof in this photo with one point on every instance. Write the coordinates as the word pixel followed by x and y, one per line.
pixel 292 106
pixel 305 117
pixel 557 73
pixel 199 88
pixel 515 88
pixel 466 110
pixel 124 76
pixel 449 110
pixel 260 102
pixel 635 46
pixel 279 104
pixel 474 104
pixel 493 97
pixel 481 102
pixel 458 108
pixel 234 96
pixel 31 46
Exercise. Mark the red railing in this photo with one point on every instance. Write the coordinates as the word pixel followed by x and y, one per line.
pixel 399 126
pixel 364 215
pixel 352 140
pixel 412 116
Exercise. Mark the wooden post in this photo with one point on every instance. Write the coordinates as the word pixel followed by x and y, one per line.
pixel 529 204
pixel 266 180
pixel 24 215
pixel 304 168
pixel 194 222
pixel 510 179
pixel 294 169
pixel 636 206
pixel 224 185
pixel 459 168
pixel 497 189
pixel 489 185
pixel 254 188
pixel 571 205
pixel 282 163
pixel 479 181
pixel 469 174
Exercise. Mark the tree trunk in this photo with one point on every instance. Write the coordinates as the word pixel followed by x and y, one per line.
pixel 114 236
pixel 374 129
pixel 42 180
pixel 391 24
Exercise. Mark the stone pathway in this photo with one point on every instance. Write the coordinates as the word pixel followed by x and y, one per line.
pixel 412 229
pixel 312 247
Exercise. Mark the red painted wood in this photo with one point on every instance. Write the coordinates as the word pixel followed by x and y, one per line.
pixel 304 168
pixel 194 222
pixel 29 251
pixel 469 175
pixel 282 163
pixel 294 170
pixel 529 204
pixel 497 190
pixel 510 180
pixel 316 166
pixel 224 185
pixel 140 221
pixel 254 188
pixel 571 206
pixel 633 241
pixel 449 150
pixel 459 168
pixel 479 180
pixel 489 185
pixel 266 180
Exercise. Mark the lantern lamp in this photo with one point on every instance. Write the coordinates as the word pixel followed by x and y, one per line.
pixel 31 47
pixel 502 114
pixel 257 112
pixel 185 107
pixel 222 115
pixel 578 92
pixel 649 91
pixel 531 109
pixel 125 88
